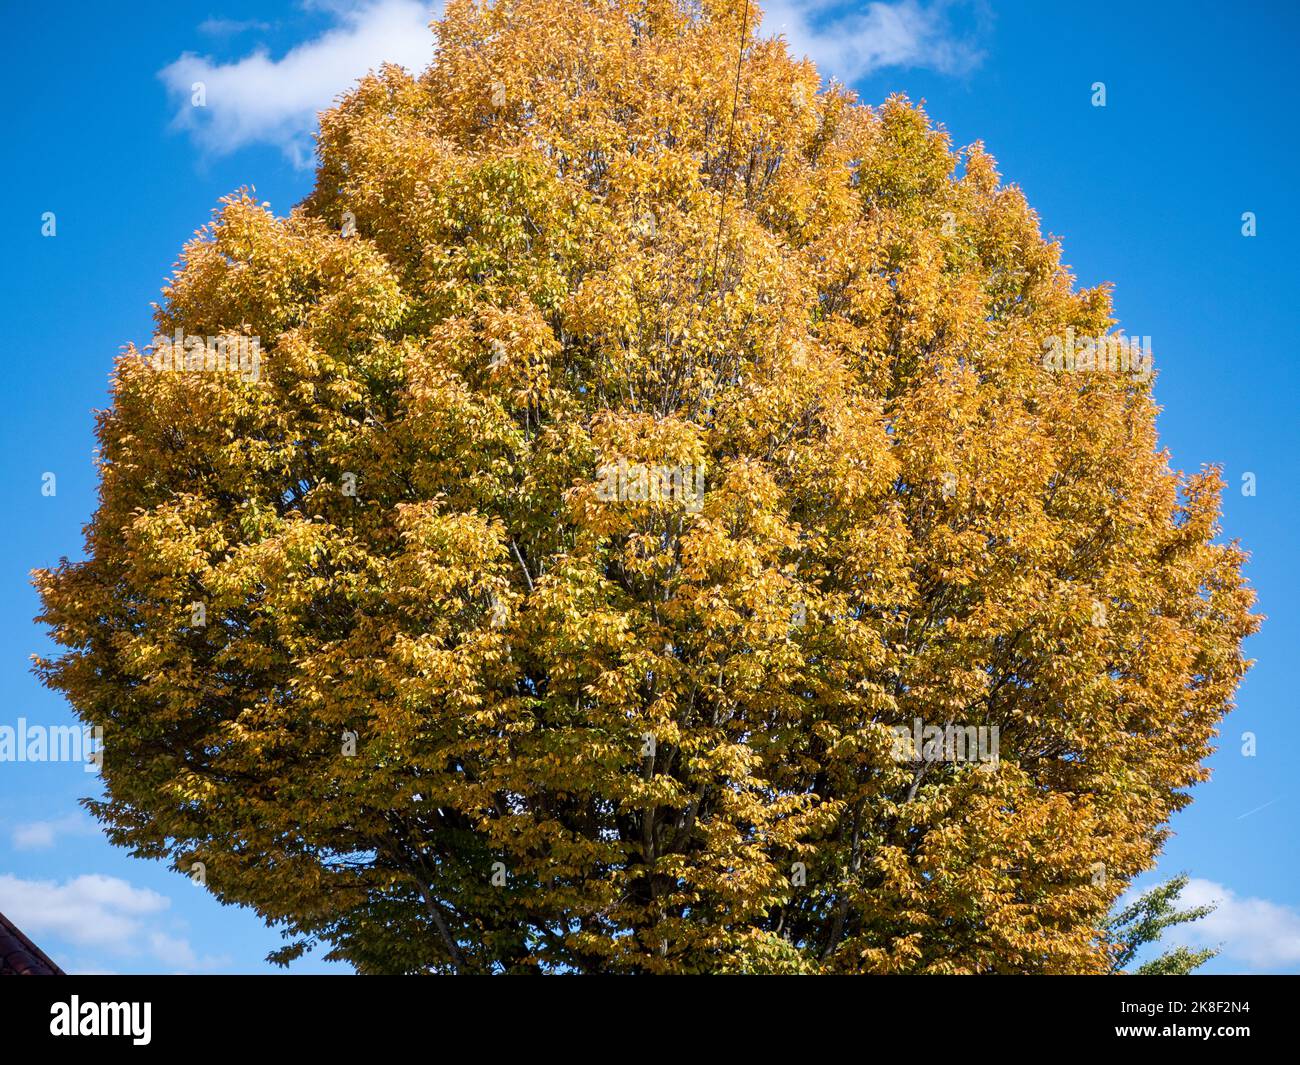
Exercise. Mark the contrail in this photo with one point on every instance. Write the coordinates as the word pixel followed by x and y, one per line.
pixel 1258 808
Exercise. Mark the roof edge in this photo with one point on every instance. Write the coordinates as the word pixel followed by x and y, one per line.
pixel 39 963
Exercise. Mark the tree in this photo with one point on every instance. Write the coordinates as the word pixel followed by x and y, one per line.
pixel 643 441
pixel 1144 920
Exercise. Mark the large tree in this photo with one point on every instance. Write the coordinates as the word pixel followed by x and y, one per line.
pixel 377 637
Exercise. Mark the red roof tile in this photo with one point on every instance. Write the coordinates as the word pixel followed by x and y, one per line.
pixel 19 956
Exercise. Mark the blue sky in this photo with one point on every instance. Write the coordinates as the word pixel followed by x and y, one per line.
pixel 1147 192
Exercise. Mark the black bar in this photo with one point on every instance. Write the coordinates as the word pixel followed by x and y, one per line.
pixel 256 1014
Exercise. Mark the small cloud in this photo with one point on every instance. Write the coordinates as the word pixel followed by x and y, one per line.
pixel 178 955
pixel 91 910
pixel 853 44
pixel 1263 935
pixel 103 913
pixel 172 950
pixel 41 835
pixel 228 27
pixel 262 100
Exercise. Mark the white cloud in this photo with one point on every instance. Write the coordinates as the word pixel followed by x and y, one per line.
pixel 41 835
pixel 225 27
pixel 91 910
pixel 173 950
pixel 261 100
pixel 101 913
pixel 854 43
pixel 1263 936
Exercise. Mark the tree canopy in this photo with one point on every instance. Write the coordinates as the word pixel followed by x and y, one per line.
pixel 645 432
